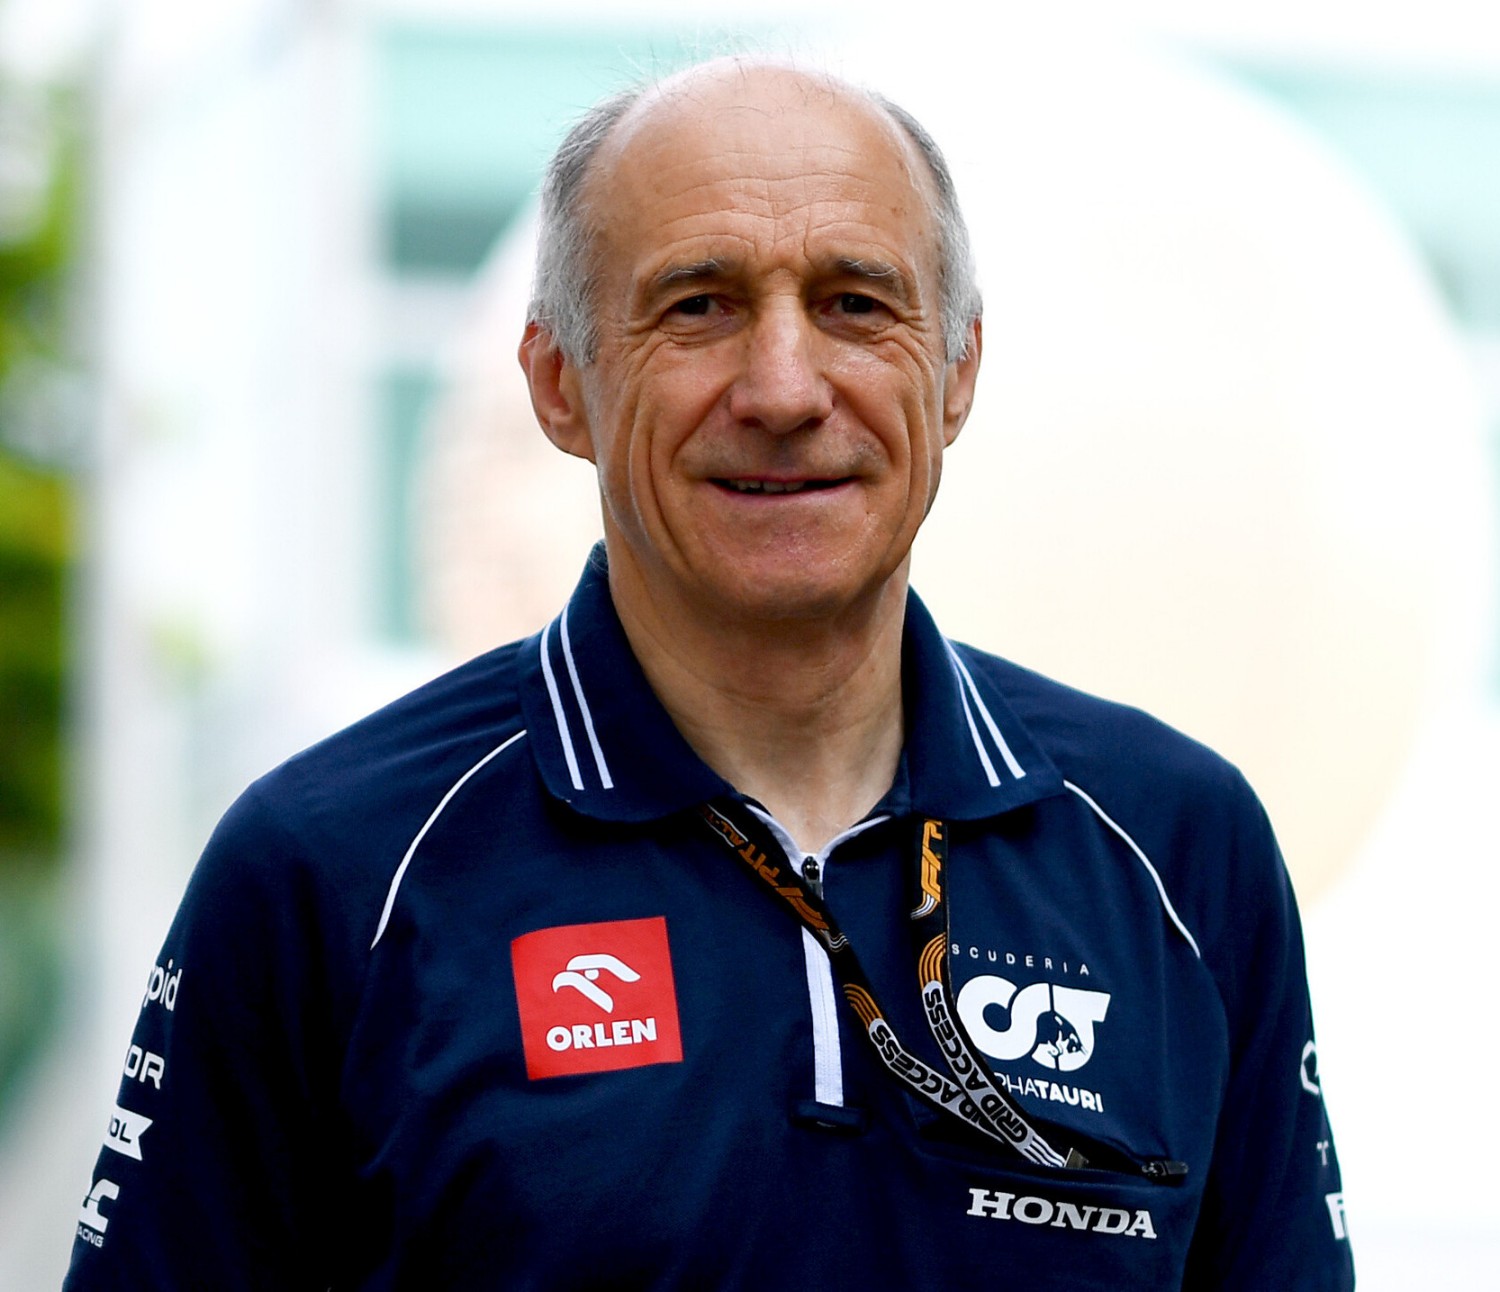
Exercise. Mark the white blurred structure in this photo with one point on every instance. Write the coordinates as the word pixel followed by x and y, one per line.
pixel 1238 453
pixel 226 521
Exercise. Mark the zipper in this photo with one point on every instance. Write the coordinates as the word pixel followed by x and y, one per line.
pixel 1163 1170
pixel 822 994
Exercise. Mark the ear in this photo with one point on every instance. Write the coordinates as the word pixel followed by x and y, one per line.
pixel 958 389
pixel 556 392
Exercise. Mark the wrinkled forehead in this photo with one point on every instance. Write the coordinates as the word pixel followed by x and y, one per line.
pixel 724 114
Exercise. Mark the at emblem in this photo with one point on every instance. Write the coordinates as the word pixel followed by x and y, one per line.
pixel 1052 1023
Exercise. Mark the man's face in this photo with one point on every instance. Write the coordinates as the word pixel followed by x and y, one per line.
pixel 770 399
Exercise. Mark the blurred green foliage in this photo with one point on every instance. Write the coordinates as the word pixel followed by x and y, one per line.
pixel 39 174
pixel 38 198
pixel 35 539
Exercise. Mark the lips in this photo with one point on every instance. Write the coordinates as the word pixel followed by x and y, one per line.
pixel 776 486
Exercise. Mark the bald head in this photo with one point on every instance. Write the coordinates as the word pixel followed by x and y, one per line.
pixel 577 192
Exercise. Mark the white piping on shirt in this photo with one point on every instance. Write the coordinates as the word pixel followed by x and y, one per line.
pixel 984 758
pixel 558 716
pixel 1014 767
pixel 390 897
pixel 583 707
pixel 822 994
pixel 1161 889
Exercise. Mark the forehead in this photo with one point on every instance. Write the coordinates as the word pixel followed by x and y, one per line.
pixel 761 164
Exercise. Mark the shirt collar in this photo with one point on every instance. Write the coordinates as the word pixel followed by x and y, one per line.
pixel 967 755
pixel 604 745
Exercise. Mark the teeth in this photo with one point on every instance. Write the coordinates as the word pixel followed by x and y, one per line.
pixel 767 486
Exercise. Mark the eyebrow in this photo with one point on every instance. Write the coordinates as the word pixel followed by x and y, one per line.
pixel 878 272
pixel 712 268
pixel 699 271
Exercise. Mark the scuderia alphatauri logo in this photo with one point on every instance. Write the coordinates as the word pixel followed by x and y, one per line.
pixel 1052 1024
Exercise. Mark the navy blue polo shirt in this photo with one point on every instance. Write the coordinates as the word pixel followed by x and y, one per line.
pixel 468 997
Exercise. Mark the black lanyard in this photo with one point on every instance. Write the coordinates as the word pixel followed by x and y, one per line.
pixel 967 1091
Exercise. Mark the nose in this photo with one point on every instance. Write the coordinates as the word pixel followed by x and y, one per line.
pixel 781 386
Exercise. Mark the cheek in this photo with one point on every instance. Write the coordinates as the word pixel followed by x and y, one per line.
pixel 615 409
pixel 934 475
pixel 674 400
pixel 653 410
pixel 901 401
pixel 920 439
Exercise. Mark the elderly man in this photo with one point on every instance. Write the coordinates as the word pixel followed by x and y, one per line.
pixel 737 930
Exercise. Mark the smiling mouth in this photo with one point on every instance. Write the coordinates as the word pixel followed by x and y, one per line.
pixel 776 486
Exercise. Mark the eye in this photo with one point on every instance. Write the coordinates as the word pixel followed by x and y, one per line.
pixel 856 303
pixel 697 306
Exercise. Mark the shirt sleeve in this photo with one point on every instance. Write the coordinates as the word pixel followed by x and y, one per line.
pixel 1273 1209
pixel 217 1164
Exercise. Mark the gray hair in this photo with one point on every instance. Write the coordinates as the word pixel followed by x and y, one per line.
pixel 958 284
pixel 567 269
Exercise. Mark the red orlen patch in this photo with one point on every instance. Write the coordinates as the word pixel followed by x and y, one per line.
pixel 596 997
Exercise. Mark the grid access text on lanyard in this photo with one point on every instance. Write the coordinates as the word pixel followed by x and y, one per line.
pixel 966 1091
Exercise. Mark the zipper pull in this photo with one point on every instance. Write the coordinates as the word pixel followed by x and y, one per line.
pixel 812 875
pixel 1164 1170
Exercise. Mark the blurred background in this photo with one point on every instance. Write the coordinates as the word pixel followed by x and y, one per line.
pixel 265 462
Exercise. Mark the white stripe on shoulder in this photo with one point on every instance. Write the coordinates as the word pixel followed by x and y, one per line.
pixel 583 706
pixel 984 757
pixel 1016 769
pixel 1134 847
pixel 558 714
pixel 390 897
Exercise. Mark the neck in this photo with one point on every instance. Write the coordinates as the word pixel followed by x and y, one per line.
pixel 803 716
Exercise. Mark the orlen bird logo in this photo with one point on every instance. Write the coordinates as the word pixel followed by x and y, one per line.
pixel 583 972
pixel 596 997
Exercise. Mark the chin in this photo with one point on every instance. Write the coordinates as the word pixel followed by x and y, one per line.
pixel 793 597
